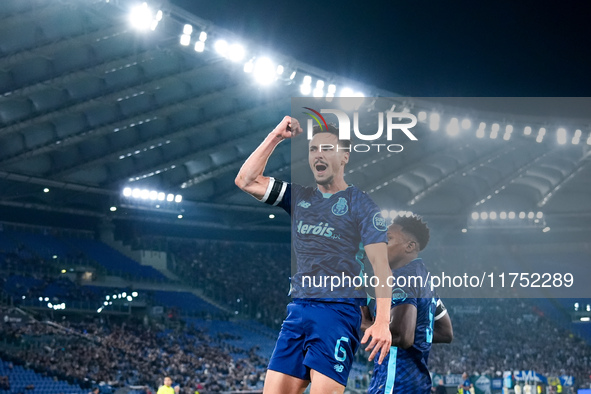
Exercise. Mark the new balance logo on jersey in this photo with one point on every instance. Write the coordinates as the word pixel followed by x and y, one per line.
pixel 321 229
pixel 304 204
pixel 339 368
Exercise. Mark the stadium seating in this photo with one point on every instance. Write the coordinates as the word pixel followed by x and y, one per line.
pixel 20 378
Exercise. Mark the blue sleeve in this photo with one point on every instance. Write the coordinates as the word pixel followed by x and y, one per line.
pixel 372 226
pixel 278 193
pixel 285 202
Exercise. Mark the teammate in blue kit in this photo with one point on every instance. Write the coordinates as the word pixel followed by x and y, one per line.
pixel 330 222
pixel 418 317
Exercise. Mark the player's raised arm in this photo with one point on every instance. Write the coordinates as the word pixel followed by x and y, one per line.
pixel 442 329
pixel 250 177
pixel 380 330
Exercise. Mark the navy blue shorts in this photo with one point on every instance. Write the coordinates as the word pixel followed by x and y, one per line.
pixel 322 336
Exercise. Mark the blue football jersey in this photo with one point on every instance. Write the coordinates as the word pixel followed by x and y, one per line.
pixel 327 233
pixel 405 370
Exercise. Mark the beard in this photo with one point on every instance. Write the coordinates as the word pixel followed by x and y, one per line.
pixel 326 181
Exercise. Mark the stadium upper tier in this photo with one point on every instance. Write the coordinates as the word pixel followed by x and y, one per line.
pixel 96 99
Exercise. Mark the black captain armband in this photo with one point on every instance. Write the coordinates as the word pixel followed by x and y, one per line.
pixel 275 192
pixel 440 311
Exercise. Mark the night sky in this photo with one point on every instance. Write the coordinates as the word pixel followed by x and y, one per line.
pixel 425 48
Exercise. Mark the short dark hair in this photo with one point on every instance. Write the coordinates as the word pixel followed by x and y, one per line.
pixel 414 226
pixel 334 130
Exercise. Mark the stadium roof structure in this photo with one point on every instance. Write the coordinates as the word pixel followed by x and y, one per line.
pixel 91 104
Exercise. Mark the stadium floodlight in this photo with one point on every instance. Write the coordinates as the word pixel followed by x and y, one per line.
pixel 161 196
pixel 153 195
pixel 483 215
pixel 248 66
pixel 180 216
pixel 539 215
pixel 134 294
pixel 124 294
pixel 141 17
pixel 384 213
pixel 178 198
pixel 493 215
pixel 422 116
pixel 199 46
pixel 359 94
pixel 107 298
pixel 475 215
pixel 127 192
pixel 539 138
pixel 511 215
pixel 494 131
pixel 526 130
pixel 185 40
pixel 159 15
pixel 106 303
pixel 347 92
pixel 464 230
pixel 503 215
pixel 576 306
pixel 466 123
pixel 46 190
pixel 271 216
pixel 332 88
pixel 434 119
pixel 530 215
pixel 202 36
pixel 264 71
pixel 236 52
pixel 145 194
pixel 188 29
pixel 480 131
pixel 280 69
pixel 113 208
pixel 318 92
pixel 561 136
pixel 136 193
pixel 305 89
pixel 40 299
pixel 170 197
pixel 506 136
pixel 453 128
pixel 577 137
pixel 393 214
pixel 585 318
pixel 293 74
pixel 409 214
pixel 129 298
pixel 522 215
pixel 509 129
pixel 320 84
pixel 221 47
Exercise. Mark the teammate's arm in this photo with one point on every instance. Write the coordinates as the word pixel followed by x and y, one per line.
pixel 250 177
pixel 380 331
pixel 403 325
pixel 442 329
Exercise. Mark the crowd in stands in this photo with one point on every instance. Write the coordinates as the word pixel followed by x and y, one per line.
pixel 490 335
pixel 248 278
pixel 496 335
pixel 132 353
